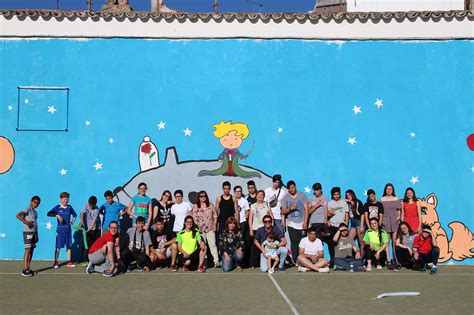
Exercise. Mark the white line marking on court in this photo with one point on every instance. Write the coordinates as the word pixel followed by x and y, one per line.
pixel 287 300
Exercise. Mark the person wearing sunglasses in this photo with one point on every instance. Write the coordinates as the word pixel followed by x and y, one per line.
pixel 191 248
pixel 344 246
pixel 205 216
pixel 260 237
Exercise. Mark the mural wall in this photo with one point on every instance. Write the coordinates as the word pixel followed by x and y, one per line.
pixel 85 116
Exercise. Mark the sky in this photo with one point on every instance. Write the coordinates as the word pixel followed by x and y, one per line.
pixel 182 5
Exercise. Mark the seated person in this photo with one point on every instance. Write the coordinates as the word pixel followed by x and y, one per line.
pixel 163 245
pixel 104 252
pixel 344 248
pixel 311 253
pixel 404 246
pixel 138 242
pixel 231 244
pixel 425 248
pixel 271 246
pixel 260 237
pixel 376 243
pixel 191 248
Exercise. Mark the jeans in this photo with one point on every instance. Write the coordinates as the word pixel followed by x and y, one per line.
pixel 235 260
pixel 430 257
pixel 278 226
pixel 210 239
pixel 282 252
pixel 295 238
pixel 345 263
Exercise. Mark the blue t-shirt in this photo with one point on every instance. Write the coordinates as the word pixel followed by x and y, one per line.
pixel 111 213
pixel 65 213
pixel 141 206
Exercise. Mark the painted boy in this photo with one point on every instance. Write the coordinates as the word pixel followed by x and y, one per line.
pixel 231 137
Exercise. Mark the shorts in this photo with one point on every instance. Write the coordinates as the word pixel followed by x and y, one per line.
pixel 272 256
pixel 63 239
pixel 30 239
pixel 355 223
pixel 166 252
pixel 390 223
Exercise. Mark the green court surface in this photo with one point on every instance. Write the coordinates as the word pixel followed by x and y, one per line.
pixel 71 290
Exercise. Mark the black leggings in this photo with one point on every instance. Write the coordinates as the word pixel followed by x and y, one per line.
pixel 369 254
pixel 141 258
pixel 194 258
pixel 403 257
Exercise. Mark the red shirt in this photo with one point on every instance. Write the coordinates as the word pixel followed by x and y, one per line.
pixel 104 239
pixel 424 245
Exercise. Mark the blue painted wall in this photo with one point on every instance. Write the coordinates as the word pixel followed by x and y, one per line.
pixel 125 87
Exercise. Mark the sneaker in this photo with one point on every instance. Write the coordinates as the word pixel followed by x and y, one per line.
pixel 369 268
pixel 27 273
pixel 201 269
pixel 390 266
pixel 85 264
pixel 323 270
pixel 433 270
pixel 217 264
pixel 185 268
pixel 56 265
pixel 140 268
pixel 302 269
pixel 90 268
pixel 379 267
pixel 270 271
pixel 70 264
pixel 107 273
pixel 173 268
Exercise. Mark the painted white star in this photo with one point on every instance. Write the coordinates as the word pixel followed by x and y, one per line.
pixel 365 193
pixel 52 109
pixel 187 132
pixel 87 123
pixel 280 129
pixel 49 225
pixel 111 140
pixel 3 235
pixel 307 190
pixel 378 103
pixel 413 134
pixel 63 172
pixel 161 125
pixel 98 166
pixel 357 110
pixel 27 101
pixel 352 140
pixel 10 108
pixel 472 169
pixel 414 180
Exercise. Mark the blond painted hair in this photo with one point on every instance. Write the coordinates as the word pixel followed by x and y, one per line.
pixel 223 128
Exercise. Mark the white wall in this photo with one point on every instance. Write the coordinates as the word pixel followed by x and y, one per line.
pixel 403 5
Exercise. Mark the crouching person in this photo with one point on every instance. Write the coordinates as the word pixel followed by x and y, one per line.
pixel 426 249
pixel 311 254
pixel 164 245
pixel 191 248
pixel 259 238
pixel 138 249
pixel 344 249
pixel 105 252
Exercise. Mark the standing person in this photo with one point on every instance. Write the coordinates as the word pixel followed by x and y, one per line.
pixel 90 221
pixel 344 249
pixel 30 233
pixel 244 213
pixel 311 254
pixel 205 217
pixel 274 196
pixel 226 206
pixel 111 210
pixel 426 248
pixel 404 246
pixel 191 248
pixel 141 205
pixel 373 208
pixel 411 210
pixel 337 212
pixel 231 244
pixel 252 192
pixel 391 217
pixel 105 252
pixel 295 208
pixel 179 210
pixel 258 211
pixel 356 215
pixel 138 242
pixel 162 209
pixel 63 213
pixel 164 245
pixel 376 241
pixel 260 237
pixel 317 206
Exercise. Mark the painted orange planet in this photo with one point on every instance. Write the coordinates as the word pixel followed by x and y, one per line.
pixel 7 155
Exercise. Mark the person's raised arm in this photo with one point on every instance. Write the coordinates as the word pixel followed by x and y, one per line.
pixel 335 239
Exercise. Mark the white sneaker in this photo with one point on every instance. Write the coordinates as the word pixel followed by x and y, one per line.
pixel 369 269
pixel 324 270
pixel 270 271
pixel 379 267
pixel 302 269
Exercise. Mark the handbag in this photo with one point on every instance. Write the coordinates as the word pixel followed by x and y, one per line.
pixel 274 202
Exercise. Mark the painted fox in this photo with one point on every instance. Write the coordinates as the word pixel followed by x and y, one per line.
pixel 461 244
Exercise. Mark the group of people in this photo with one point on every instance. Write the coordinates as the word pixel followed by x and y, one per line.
pixel 271 229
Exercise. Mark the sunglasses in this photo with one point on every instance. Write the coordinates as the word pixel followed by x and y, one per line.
pixel 267 221
pixel 343 230
pixel 203 196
